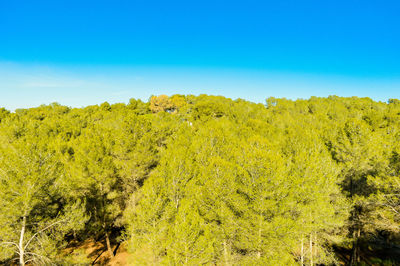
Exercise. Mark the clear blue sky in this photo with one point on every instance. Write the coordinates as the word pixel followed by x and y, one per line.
pixel 85 52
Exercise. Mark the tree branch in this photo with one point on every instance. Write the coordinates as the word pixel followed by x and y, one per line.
pixel 9 243
pixel 38 232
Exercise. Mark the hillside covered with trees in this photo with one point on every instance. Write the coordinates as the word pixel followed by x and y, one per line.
pixel 190 180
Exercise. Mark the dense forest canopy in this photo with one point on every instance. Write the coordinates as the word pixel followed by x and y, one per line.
pixel 203 180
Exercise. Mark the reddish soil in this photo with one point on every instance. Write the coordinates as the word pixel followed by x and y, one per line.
pixel 97 254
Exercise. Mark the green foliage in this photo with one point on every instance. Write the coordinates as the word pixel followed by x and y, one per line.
pixel 201 179
pixel 34 217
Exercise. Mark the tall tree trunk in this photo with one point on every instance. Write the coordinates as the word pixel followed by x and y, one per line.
pixel 354 250
pixel 226 254
pixel 109 245
pixel 354 220
pixel 302 252
pixel 105 227
pixel 358 245
pixel 311 251
pixel 21 243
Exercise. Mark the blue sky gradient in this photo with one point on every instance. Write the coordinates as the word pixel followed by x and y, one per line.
pixel 85 52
